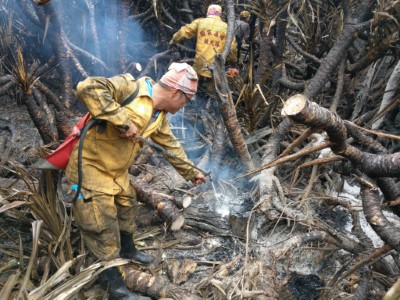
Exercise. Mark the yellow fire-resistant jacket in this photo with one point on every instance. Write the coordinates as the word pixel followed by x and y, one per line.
pixel 211 35
pixel 106 156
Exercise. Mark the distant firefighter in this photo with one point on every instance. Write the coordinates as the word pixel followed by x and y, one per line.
pixel 210 34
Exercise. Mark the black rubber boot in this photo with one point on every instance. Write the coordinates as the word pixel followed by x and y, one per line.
pixel 128 250
pixel 111 279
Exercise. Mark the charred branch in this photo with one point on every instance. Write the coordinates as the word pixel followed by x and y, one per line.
pixel 186 9
pixel 206 220
pixel 6 87
pixel 363 139
pixel 77 63
pixel 153 60
pixel 287 83
pixel 265 56
pixel 339 87
pixel 280 38
pixel 53 99
pixel 93 28
pixel 390 191
pixel 372 209
pixel 219 145
pixel 88 55
pixel 390 92
pixel 228 112
pixel 301 51
pixel 230 16
pixel 372 56
pixel 299 109
pixel 29 11
pixel 61 113
pixel 60 50
pixel 6 79
pixel 336 54
pixel 122 34
pixel 387 185
pixel 40 118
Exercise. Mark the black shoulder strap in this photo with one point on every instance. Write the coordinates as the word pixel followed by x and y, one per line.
pixel 90 124
pixel 131 97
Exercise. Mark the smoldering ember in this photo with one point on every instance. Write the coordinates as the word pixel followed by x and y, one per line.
pixel 297 137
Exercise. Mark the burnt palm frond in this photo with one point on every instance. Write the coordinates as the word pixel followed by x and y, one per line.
pixel 45 205
pixel 22 74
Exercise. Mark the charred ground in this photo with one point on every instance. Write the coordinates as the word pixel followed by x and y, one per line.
pixel 318 221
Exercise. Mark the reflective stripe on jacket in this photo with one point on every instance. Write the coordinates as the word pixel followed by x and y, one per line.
pixel 211 35
pixel 106 157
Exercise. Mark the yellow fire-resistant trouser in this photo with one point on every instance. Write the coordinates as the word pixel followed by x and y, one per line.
pixel 101 217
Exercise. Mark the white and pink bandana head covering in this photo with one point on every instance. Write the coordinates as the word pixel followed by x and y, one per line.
pixel 181 76
pixel 214 10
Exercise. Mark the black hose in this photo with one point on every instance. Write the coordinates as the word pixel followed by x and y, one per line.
pixel 82 136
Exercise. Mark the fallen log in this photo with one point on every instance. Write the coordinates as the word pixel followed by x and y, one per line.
pixel 154 286
pixel 162 203
pixel 206 221
pixel 180 202
pixel 142 159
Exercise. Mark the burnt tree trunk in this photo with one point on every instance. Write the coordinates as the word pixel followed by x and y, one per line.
pixel 227 107
pixel 266 57
pixel 64 127
pixel 388 232
pixel 219 145
pixel 351 28
pixel 34 105
pixel 228 112
pixel 276 65
pixel 47 14
pixel 122 34
pixel 93 28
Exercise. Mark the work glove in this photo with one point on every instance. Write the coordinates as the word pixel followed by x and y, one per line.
pixel 232 72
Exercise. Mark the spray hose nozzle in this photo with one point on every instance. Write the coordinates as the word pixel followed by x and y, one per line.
pixel 163 151
pixel 209 175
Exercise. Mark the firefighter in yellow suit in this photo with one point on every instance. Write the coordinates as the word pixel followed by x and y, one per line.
pixel 210 34
pixel 105 213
